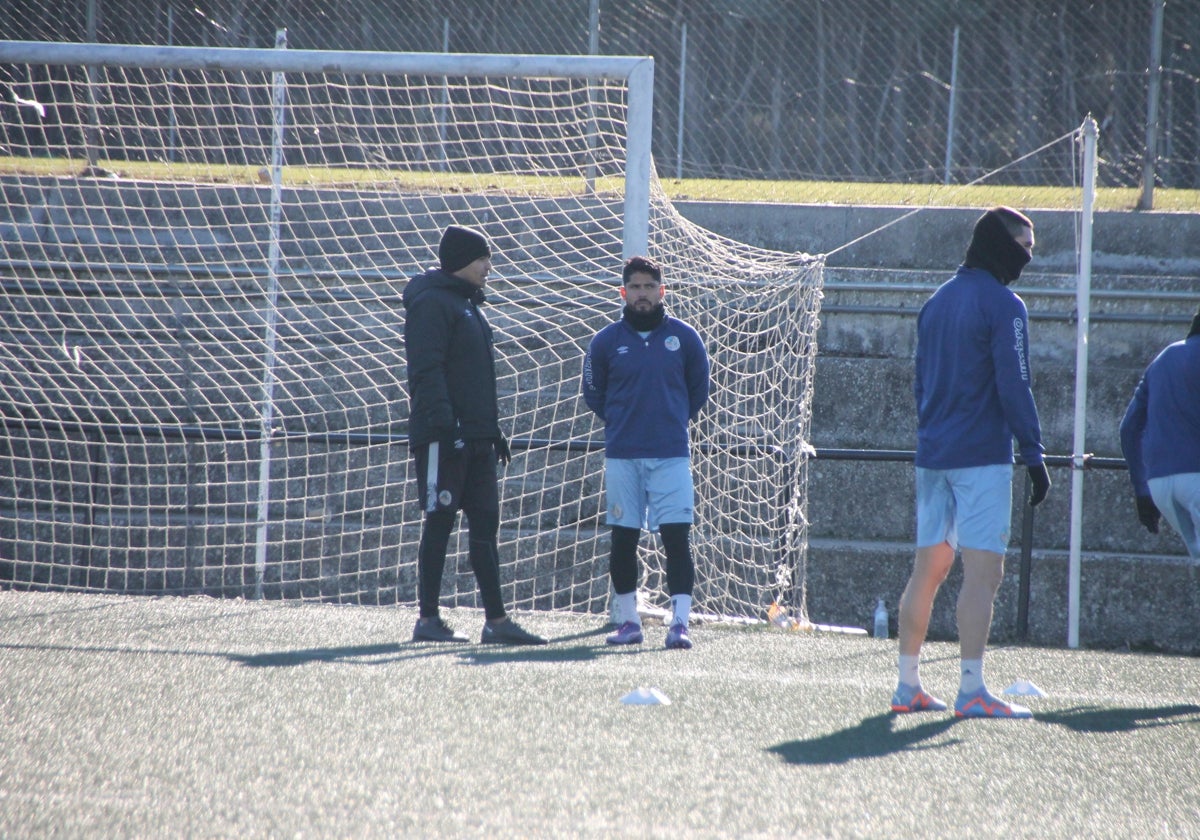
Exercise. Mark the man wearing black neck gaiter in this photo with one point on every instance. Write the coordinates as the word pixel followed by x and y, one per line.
pixel 974 395
pixel 646 377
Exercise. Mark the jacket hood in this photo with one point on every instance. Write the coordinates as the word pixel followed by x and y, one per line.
pixel 438 279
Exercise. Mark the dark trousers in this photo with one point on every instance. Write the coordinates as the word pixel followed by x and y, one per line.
pixel 462 478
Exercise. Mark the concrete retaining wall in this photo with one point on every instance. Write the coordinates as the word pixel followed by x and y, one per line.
pixel 1138 590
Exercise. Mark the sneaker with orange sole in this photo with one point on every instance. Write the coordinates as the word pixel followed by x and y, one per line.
pixel 982 704
pixel 909 698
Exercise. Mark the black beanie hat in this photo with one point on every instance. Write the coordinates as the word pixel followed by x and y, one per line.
pixel 460 247
pixel 1195 330
pixel 992 247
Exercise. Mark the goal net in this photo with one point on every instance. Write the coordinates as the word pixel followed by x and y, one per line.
pixel 202 379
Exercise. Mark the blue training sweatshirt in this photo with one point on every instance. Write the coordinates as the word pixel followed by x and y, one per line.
pixel 1160 433
pixel 972 376
pixel 646 390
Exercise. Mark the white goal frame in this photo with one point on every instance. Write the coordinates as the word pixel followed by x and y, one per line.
pixel 264 459
pixel 637 72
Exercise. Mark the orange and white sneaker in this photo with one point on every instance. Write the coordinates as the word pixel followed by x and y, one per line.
pixel 982 704
pixel 909 698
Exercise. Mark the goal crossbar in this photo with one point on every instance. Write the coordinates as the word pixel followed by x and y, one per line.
pixel 637 72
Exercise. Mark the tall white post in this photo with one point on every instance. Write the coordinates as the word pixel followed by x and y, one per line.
pixel 639 127
pixel 1083 298
pixel 952 112
pixel 593 49
pixel 442 113
pixel 278 98
pixel 1153 89
pixel 682 101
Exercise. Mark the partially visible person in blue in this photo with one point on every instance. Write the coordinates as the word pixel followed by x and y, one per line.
pixel 647 377
pixel 973 397
pixel 454 431
pixel 1160 438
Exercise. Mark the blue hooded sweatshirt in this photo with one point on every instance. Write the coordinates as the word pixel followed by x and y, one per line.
pixel 1160 433
pixel 973 377
pixel 646 390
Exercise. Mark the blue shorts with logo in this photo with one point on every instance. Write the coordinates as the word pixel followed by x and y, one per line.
pixel 1178 500
pixel 644 493
pixel 971 507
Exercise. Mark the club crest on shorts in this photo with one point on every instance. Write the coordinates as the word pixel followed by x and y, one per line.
pixel 445 498
pixel 672 343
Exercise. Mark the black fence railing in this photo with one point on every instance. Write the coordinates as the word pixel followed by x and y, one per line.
pixel 1026 563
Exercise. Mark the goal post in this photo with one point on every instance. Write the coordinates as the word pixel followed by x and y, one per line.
pixel 636 72
pixel 203 383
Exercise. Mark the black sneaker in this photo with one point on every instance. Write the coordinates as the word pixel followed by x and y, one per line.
pixel 508 632
pixel 435 630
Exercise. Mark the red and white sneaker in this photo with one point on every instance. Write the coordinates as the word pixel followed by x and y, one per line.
pixel 983 704
pixel 908 698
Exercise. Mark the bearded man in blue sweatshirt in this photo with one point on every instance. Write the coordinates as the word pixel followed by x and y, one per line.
pixel 1160 438
pixel 973 397
pixel 646 377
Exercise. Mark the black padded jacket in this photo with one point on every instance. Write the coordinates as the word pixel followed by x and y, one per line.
pixel 451 363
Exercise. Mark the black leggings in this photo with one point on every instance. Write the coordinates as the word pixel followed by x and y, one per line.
pixel 482 551
pixel 676 539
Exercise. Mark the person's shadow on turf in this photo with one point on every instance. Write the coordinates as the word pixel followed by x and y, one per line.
pixel 1100 719
pixel 874 737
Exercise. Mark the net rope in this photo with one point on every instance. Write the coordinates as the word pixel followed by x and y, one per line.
pixel 194 405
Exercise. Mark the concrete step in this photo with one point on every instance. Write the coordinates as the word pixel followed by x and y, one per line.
pixel 874 500
pixel 1127 601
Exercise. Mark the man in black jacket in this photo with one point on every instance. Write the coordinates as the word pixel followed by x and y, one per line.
pixel 454 431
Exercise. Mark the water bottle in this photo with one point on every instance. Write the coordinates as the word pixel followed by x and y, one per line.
pixel 881 620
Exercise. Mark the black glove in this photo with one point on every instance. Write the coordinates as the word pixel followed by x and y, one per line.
pixel 450 439
pixel 503 454
pixel 1040 479
pixel 1148 513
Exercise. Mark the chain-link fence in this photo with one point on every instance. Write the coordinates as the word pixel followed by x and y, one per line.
pixel 913 91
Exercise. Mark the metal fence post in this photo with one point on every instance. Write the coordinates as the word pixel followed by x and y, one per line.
pixel 1026 564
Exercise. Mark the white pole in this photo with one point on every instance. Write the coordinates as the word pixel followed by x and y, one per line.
pixel 1153 88
pixel 593 49
pixel 173 122
pixel 1083 294
pixel 952 113
pixel 682 101
pixel 640 124
pixel 278 95
pixel 442 111
pixel 323 61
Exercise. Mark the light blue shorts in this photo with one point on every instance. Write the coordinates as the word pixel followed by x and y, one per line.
pixel 971 507
pixel 1177 498
pixel 646 492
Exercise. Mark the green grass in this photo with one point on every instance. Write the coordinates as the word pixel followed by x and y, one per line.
pixel 920 195
pixel 693 189
pixel 173 717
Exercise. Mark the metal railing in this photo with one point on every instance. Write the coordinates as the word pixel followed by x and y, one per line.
pixel 1026 562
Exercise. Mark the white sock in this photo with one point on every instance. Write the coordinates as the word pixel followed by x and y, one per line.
pixel 910 671
pixel 681 609
pixel 627 607
pixel 972 676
